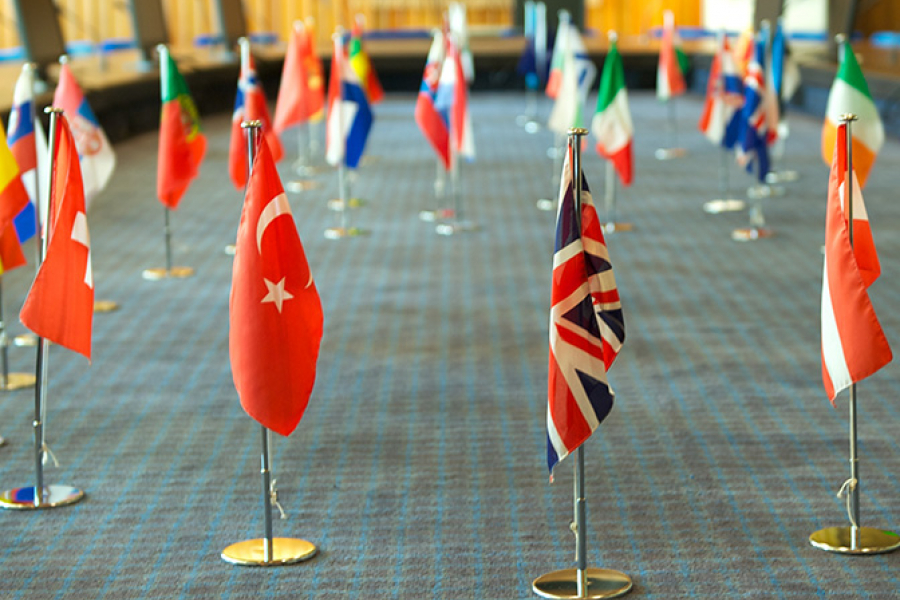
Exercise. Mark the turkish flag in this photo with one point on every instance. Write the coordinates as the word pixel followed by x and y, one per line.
pixel 60 304
pixel 275 311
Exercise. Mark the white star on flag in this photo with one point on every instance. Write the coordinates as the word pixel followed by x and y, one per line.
pixel 277 293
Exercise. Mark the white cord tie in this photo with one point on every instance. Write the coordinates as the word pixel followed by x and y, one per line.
pixel 848 488
pixel 273 495
pixel 48 455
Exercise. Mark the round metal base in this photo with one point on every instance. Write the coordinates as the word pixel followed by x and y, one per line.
pixel 301 185
pixel 613 227
pixel 158 273
pixel 546 204
pixel 337 233
pixel 337 205
pixel 438 214
pixel 869 540
pixel 53 496
pixel 751 234
pixel 230 249
pixel 455 227
pixel 304 170
pixel 720 205
pixel 601 583
pixel 16 381
pixel 781 176
pixel 105 306
pixel 285 551
pixel 764 190
pixel 28 340
pixel 670 153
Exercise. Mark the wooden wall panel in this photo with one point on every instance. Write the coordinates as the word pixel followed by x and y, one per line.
pixel 636 17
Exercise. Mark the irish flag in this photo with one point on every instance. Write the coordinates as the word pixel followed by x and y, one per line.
pixel 612 122
pixel 850 94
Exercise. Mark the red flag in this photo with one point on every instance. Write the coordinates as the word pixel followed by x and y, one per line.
pixel 60 305
pixel 276 316
pixel 294 104
pixel 10 250
pixel 853 344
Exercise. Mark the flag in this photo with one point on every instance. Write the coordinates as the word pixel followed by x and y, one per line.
pixel 459 27
pixel 362 65
pixel 850 94
pixel 451 99
pixel 295 103
pixel 98 160
pixel 349 115
pixel 29 147
pixel 587 326
pixel 315 72
pixel 720 121
pixel 853 343
pixel 612 124
pixel 758 118
pixel 275 314
pixel 578 73
pixel 785 72
pixel 181 143
pixel 249 105
pixel 669 73
pixel 60 305
pixel 13 199
pixel 435 125
pixel 557 58
pixel 527 66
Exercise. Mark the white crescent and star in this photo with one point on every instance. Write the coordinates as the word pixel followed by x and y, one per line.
pixel 276 207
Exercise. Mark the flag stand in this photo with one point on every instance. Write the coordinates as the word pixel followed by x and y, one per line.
pixel 157 273
pixel 725 203
pixel 457 224
pixel 580 582
pixel 786 175
pixel 301 166
pixel 853 539
pixel 611 226
pixel 268 551
pixel 673 151
pixel 340 206
pixel 440 194
pixel 555 151
pixel 9 381
pixel 40 495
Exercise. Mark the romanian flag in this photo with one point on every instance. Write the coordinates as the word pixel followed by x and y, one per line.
pixel 181 144
pixel 850 94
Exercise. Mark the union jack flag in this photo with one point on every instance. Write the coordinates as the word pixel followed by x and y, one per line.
pixel 759 118
pixel 587 326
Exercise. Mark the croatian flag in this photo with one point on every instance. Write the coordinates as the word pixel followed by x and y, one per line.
pixel 435 125
pixel 29 147
pixel 451 99
pixel 349 115
pixel 98 160
pixel 720 121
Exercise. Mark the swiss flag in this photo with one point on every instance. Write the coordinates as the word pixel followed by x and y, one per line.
pixel 60 305
pixel 275 312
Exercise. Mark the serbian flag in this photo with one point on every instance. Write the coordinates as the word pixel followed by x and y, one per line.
pixel 349 115
pixel 669 73
pixel 275 314
pixel 612 124
pixel 181 143
pixel 434 125
pixel 29 147
pixel 587 327
pixel 98 160
pixel 850 94
pixel 13 199
pixel 853 343
pixel 759 118
pixel 296 103
pixel 249 105
pixel 720 121
pixel 452 99
pixel 60 305
pixel 359 61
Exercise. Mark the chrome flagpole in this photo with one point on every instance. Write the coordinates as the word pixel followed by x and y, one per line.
pixel 673 151
pixel 611 225
pixel 301 166
pixel 40 495
pixel 725 202
pixel 580 582
pixel 854 539
pixel 9 381
pixel 268 551
pixel 555 152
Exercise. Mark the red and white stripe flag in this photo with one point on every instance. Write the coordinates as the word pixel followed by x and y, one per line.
pixel 853 343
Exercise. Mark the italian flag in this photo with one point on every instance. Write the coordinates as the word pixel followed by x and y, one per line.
pixel 612 122
pixel 181 144
pixel 850 94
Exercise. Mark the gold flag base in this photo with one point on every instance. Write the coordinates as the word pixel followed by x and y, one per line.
pixel 157 273
pixel 868 540
pixel 455 227
pixel 301 185
pixel 437 214
pixel 751 234
pixel 105 306
pixel 285 551
pixel 721 205
pixel 337 233
pixel 53 496
pixel 670 153
pixel 601 583
pixel 613 227
pixel 16 381
pixel 27 340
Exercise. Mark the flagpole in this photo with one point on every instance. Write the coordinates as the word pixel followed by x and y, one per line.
pixel 611 226
pixel 726 203
pixel 549 204
pixel 301 166
pixel 9 381
pixel 673 151
pixel 854 539
pixel 39 495
pixel 580 582
pixel 268 551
